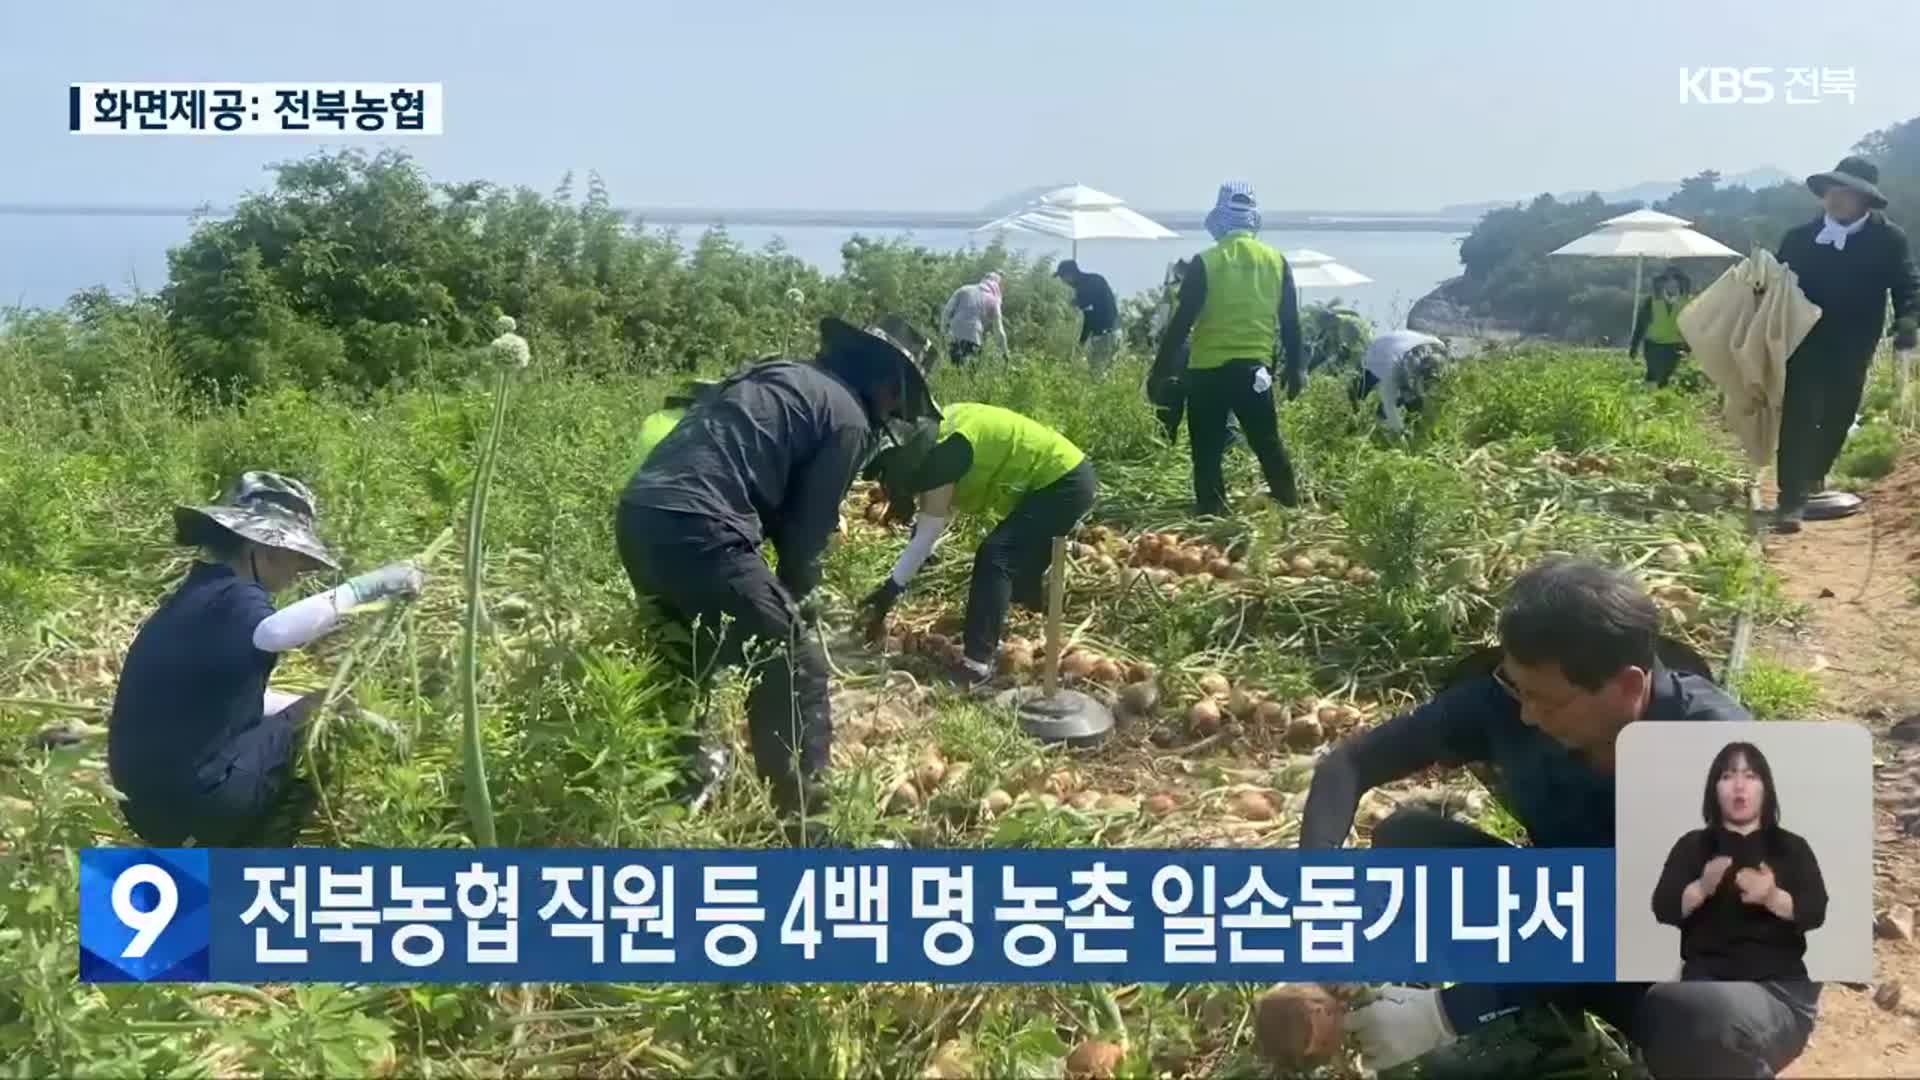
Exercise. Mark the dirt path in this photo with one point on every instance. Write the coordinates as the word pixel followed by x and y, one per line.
pixel 1862 639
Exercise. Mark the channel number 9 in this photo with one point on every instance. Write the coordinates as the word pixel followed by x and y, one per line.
pixel 147 926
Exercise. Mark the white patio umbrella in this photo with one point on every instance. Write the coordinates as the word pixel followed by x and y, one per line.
pixel 1642 233
pixel 1313 270
pixel 1077 212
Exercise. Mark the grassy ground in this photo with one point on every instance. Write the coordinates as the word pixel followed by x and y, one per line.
pixel 1526 454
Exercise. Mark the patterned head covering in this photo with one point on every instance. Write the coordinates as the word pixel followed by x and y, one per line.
pixel 264 508
pixel 991 285
pixel 1234 210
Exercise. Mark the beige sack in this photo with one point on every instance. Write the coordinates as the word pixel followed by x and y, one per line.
pixel 1741 330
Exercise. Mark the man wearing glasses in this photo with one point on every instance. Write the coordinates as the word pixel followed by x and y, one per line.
pixel 1580 644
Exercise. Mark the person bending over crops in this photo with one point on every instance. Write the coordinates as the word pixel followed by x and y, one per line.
pixel 1849 262
pixel 1580 661
pixel 197 743
pixel 967 315
pixel 1099 314
pixel 1656 327
pixel 655 426
pixel 1403 364
pixel 769 456
pixel 982 459
pixel 1237 302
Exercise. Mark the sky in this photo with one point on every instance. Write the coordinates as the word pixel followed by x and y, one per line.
pixel 923 105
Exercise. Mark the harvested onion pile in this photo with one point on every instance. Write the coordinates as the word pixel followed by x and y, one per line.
pixel 1327 566
pixel 1303 725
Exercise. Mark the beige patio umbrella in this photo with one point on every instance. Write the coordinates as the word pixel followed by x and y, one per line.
pixel 1077 212
pixel 1644 233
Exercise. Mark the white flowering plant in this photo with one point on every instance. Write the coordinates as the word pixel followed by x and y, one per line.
pixel 510 348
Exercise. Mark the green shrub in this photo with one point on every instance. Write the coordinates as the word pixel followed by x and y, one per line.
pixel 1870 454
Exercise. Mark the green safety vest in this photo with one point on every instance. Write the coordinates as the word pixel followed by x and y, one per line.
pixel 1240 319
pixel 1664 327
pixel 1012 456
pixel 655 427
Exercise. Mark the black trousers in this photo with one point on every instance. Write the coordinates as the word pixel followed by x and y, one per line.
pixel 1684 1030
pixel 255 799
pixel 1012 561
pixel 1167 391
pixel 711 583
pixel 1661 360
pixel 961 351
pixel 1824 386
pixel 1214 394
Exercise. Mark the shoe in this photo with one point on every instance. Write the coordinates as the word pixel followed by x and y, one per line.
pixel 705 768
pixel 970 674
pixel 1789 520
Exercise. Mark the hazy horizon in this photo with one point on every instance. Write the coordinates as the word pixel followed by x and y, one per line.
pixel 1363 106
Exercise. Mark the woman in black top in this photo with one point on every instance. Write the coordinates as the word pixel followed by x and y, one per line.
pixel 1743 891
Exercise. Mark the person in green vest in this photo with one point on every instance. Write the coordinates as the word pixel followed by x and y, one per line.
pixel 1656 327
pixel 1238 303
pixel 657 425
pixel 983 459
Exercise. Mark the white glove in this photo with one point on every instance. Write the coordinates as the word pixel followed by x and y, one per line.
pixel 393 579
pixel 1400 1025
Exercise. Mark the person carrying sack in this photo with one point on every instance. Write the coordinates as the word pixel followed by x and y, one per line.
pixel 1656 326
pixel 982 459
pixel 200 746
pixel 1849 262
pixel 1238 304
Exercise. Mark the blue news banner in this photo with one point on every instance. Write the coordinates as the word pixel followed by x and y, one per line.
pixel 825 915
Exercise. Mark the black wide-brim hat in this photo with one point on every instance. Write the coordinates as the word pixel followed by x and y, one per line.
pixel 1854 173
pixel 872 357
pixel 263 508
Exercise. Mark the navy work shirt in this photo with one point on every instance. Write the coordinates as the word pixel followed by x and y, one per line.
pixel 1099 310
pixel 1555 794
pixel 192 683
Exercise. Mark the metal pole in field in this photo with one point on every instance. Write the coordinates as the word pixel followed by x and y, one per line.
pixel 1638 262
pixel 1056 600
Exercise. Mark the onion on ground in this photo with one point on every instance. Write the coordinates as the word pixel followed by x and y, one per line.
pixel 1203 718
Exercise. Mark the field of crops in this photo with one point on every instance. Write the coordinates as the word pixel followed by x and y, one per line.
pixel 1234 651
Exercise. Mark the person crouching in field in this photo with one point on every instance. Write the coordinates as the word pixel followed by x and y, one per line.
pixel 1581 661
pixel 199 745
pixel 1403 365
pixel 982 459
pixel 770 456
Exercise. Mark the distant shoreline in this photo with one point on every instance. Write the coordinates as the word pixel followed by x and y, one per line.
pixel 1277 221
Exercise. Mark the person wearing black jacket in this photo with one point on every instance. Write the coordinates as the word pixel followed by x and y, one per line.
pixel 1849 262
pixel 1744 892
pixel 770 455
pixel 1099 313
pixel 1581 661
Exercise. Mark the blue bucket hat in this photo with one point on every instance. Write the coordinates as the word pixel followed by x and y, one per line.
pixel 1234 210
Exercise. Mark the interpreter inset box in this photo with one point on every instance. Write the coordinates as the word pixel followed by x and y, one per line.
pixel 1744 852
